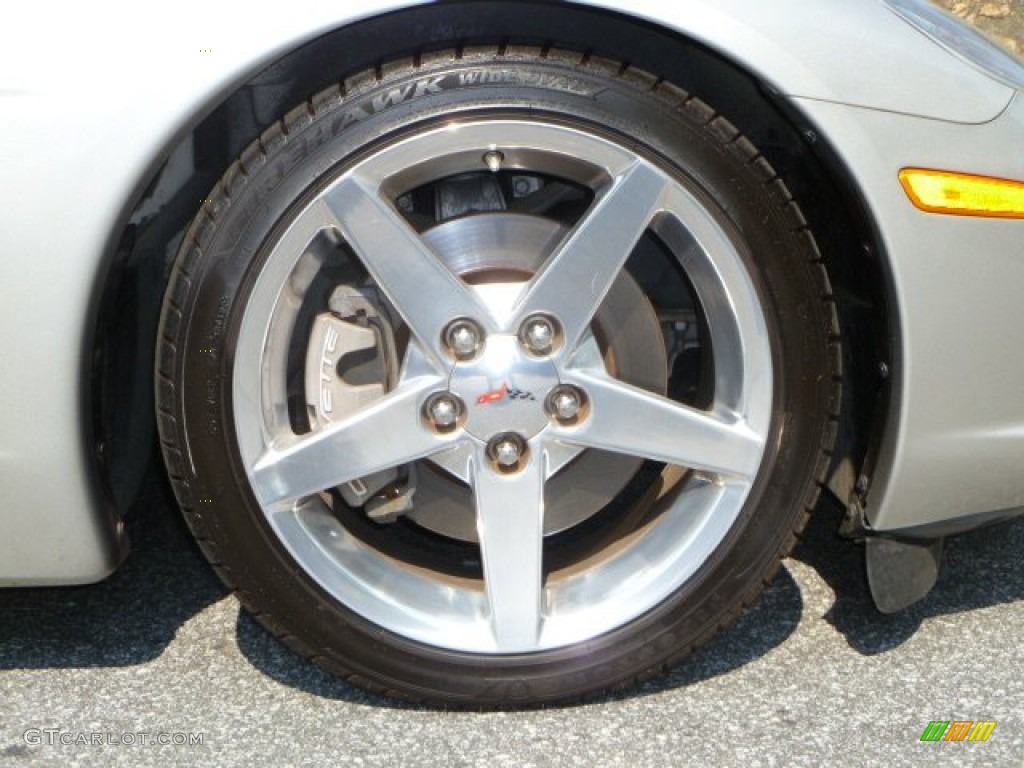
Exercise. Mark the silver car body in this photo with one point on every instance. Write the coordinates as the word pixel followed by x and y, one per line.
pixel 93 101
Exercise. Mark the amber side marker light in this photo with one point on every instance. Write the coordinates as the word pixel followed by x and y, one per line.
pixel 963 194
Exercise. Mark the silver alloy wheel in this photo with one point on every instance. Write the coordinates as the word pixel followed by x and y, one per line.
pixel 516 609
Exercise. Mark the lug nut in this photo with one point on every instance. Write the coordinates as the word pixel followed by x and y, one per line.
pixel 464 338
pixel 507 452
pixel 566 404
pixel 538 335
pixel 443 411
pixel 464 341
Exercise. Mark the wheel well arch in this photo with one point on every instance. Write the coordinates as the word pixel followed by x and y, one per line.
pixel 120 400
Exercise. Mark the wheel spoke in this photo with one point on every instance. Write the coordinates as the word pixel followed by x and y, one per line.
pixel 421 288
pixel 510 524
pixel 577 276
pixel 349 449
pixel 625 419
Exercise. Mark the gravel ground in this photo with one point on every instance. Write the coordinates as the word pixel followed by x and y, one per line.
pixel 1003 21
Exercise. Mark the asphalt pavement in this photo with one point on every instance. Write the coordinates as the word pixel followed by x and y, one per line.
pixel 160 652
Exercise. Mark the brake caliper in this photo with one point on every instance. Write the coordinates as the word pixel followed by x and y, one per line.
pixel 351 361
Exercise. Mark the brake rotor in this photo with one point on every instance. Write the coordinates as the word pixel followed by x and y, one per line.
pixel 489 249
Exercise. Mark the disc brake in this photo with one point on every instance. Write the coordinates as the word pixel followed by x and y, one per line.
pixel 352 361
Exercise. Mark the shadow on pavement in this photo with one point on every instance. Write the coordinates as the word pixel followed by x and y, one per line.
pixel 275 660
pixel 979 569
pixel 127 619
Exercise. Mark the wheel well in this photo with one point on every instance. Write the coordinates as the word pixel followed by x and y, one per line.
pixel 121 386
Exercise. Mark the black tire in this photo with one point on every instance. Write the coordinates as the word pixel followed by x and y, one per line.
pixel 225 249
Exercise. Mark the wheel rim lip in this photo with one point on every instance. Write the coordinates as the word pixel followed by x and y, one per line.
pixel 580 606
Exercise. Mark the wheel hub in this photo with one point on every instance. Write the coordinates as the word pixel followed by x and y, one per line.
pixel 504 390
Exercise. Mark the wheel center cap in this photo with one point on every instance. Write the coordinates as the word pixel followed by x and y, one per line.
pixel 504 389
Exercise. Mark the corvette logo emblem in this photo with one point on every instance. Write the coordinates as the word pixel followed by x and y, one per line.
pixel 503 393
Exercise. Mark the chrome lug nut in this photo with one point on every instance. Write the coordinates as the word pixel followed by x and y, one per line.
pixel 538 334
pixel 464 341
pixel 464 338
pixel 566 404
pixel 507 452
pixel 443 411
